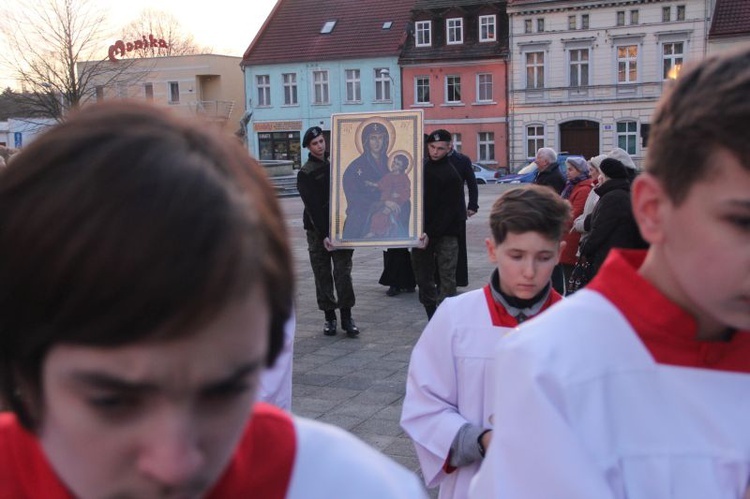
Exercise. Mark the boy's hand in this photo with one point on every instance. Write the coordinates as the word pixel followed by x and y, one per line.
pixel 424 240
pixel 328 244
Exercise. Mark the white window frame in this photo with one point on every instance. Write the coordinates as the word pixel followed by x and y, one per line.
pixel 571 22
pixel 382 85
pixel 419 83
pixel 321 89
pixel 534 139
pixel 353 86
pixel 527 25
pixel 666 14
pixel 291 97
pixel 485 87
pixel 173 92
pixel 673 59
pixel 454 82
pixel 540 25
pixel 536 67
pixel 626 63
pixel 585 21
pixel 456 141
pixel 680 16
pixel 627 136
pixel 634 17
pixel 620 18
pixel 579 66
pixel 423 34
pixel 263 86
pixel 488 28
pixel 454 31
pixel 486 147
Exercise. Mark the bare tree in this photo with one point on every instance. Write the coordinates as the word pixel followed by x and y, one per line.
pixel 156 24
pixel 47 39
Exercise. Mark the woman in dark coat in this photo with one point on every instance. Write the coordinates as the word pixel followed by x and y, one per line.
pixel 611 225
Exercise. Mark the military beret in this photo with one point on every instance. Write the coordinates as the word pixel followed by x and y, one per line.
pixel 312 133
pixel 440 135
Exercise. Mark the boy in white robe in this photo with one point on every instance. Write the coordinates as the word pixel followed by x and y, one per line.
pixel 446 410
pixel 638 386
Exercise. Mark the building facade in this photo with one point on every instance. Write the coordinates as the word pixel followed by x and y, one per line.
pixel 307 63
pixel 586 74
pixel 454 68
pixel 205 85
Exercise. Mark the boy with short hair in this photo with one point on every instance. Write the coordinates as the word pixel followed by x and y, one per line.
pixel 637 386
pixel 145 279
pixel 446 410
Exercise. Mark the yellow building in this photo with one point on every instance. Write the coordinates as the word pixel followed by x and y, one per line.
pixel 206 85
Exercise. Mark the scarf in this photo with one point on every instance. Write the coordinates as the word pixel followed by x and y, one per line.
pixel 571 183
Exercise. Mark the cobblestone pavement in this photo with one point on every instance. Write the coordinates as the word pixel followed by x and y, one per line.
pixel 358 384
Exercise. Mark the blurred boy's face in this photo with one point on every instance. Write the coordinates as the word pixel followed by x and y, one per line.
pixel 153 419
pixel 438 150
pixel 524 262
pixel 700 250
pixel 317 146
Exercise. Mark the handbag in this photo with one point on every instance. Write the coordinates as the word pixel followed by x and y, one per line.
pixel 579 277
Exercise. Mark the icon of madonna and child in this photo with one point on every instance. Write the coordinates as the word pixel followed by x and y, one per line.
pixel 380 184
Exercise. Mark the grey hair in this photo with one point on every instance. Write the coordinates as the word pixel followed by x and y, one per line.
pixel 549 153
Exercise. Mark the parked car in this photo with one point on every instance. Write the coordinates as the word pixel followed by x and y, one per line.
pixel 483 174
pixel 525 175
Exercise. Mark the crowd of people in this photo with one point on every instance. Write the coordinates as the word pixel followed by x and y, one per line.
pixel 146 283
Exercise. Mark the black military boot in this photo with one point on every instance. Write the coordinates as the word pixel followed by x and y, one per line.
pixel 329 328
pixel 347 323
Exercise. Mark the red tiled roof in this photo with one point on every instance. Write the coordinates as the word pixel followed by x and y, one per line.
pixel 292 31
pixel 731 17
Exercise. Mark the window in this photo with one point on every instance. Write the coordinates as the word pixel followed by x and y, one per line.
pixel 666 14
pixel 263 82
pixel 527 26
pixel 174 92
pixel 579 67
pixel 621 18
pixel 680 12
pixel 540 25
pixel 422 90
pixel 148 89
pixel 534 139
pixel 455 30
pixel 487 28
pixel 486 146
pixel 423 33
pixel 353 86
pixel 99 93
pixel 327 27
pixel 571 22
pixel 457 141
pixel 290 88
pixel 627 64
pixel 627 134
pixel 633 17
pixel 452 89
pixel 673 59
pixel 320 87
pixel 484 87
pixel 382 84
pixel 535 70
pixel 584 21
pixel 388 25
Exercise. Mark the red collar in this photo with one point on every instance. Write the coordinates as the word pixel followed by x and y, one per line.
pixel 501 317
pixel 666 330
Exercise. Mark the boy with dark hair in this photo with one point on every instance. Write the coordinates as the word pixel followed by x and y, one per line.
pixel 637 386
pixel 145 278
pixel 445 410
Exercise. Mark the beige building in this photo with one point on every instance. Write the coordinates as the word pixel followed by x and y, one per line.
pixel 206 85
pixel 586 74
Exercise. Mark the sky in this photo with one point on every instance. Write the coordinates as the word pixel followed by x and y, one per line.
pixel 228 26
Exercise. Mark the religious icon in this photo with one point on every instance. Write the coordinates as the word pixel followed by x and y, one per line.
pixel 376 196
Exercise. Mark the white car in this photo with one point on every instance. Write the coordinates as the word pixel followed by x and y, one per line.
pixel 483 174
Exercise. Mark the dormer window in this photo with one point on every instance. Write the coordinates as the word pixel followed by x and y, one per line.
pixel 455 30
pixel 423 33
pixel 327 27
pixel 487 28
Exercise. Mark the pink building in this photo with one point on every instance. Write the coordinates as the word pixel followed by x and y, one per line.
pixel 454 67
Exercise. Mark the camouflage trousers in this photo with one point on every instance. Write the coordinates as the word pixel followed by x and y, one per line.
pixel 330 268
pixel 443 253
